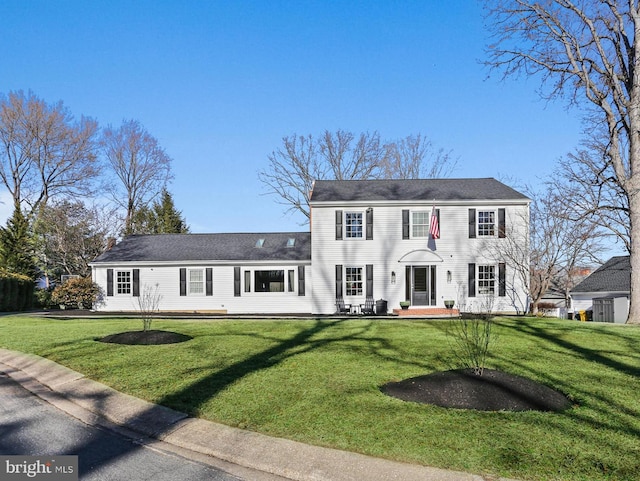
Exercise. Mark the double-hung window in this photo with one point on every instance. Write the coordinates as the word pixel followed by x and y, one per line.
pixel 353 224
pixel 420 224
pixel 486 279
pixel 353 278
pixel 486 223
pixel 123 282
pixel 196 282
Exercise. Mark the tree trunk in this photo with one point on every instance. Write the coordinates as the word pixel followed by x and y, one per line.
pixel 634 217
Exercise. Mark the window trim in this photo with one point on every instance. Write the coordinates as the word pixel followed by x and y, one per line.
pixel 354 287
pixel 203 281
pixel 426 225
pixel 117 282
pixel 497 228
pixel 486 279
pixel 486 228
pixel 269 291
pixel 349 226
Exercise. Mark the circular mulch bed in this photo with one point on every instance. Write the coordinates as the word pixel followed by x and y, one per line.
pixel 493 391
pixel 145 337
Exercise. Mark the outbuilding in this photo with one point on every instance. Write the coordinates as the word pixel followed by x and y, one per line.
pixel 604 295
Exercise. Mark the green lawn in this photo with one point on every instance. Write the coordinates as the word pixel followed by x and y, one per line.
pixel 318 381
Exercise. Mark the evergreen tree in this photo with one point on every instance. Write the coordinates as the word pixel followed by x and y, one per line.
pixel 17 246
pixel 168 219
pixel 161 218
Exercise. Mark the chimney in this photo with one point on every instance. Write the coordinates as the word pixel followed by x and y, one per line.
pixel 111 242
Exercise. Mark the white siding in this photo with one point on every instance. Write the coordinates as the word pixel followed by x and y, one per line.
pixel 390 253
pixel 223 300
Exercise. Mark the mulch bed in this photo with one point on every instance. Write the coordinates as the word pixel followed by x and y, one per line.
pixel 493 391
pixel 150 337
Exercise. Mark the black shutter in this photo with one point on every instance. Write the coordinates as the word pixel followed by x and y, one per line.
pixel 301 281
pixel 472 223
pixel 109 282
pixel 407 283
pixel 236 282
pixel 502 225
pixel 472 280
pixel 136 283
pixel 338 225
pixel 183 281
pixel 209 278
pixel 439 224
pixel 405 224
pixel 433 286
pixel 369 223
pixel 502 279
pixel 369 269
pixel 338 281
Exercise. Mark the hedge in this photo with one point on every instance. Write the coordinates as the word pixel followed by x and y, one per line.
pixel 16 292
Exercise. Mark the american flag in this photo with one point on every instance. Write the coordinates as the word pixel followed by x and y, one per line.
pixel 434 227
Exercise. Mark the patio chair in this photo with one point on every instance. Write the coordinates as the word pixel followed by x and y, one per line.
pixel 341 307
pixel 367 307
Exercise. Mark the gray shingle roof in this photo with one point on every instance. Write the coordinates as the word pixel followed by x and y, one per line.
pixel 413 189
pixel 210 247
pixel 613 276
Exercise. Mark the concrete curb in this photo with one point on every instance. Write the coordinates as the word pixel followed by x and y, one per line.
pixel 73 392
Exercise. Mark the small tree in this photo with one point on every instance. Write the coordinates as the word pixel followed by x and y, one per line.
pixel 17 246
pixel 148 304
pixel 472 336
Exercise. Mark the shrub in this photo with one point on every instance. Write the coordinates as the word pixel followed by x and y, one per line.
pixel 81 292
pixel 43 298
pixel 148 304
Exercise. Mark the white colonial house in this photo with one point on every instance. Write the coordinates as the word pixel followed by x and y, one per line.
pixel 372 244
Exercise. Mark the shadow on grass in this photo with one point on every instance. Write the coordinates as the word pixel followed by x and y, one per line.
pixel 592 355
pixel 191 398
pixel 602 412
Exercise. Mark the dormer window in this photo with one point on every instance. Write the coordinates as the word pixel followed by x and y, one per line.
pixel 260 243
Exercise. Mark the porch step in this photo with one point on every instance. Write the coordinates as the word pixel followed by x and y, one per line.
pixel 426 312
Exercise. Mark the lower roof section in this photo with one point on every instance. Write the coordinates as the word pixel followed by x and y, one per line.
pixel 259 247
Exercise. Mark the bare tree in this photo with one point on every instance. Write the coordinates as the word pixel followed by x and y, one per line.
pixel 142 168
pixel 595 194
pixel 588 52
pixel 557 244
pixel 415 157
pixel 45 152
pixel 341 155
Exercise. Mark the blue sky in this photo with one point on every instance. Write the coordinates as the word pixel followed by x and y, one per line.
pixel 220 83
